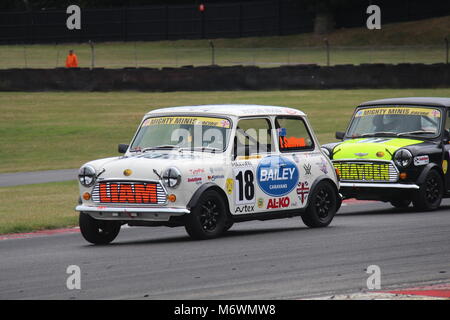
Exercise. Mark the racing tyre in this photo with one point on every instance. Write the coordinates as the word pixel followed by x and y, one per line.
pixel 208 219
pixel 228 225
pixel 322 206
pixel 402 203
pixel 98 231
pixel 430 194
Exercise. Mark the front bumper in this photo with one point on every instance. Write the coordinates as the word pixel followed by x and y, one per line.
pixel 130 213
pixel 378 185
pixel 378 191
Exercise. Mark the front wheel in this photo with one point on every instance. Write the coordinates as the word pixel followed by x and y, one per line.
pixel 322 206
pixel 98 231
pixel 401 204
pixel 430 194
pixel 208 219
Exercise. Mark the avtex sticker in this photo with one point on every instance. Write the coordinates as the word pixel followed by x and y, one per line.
pixel 277 176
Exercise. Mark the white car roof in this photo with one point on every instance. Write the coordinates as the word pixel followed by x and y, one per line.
pixel 237 110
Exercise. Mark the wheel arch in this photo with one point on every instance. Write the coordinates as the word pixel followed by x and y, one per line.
pixel 427 169
pixel 327 179
pixel 205 187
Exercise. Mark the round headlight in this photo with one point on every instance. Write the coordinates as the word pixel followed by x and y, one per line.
pixel 325 150
pixel 86 176
pixel 171 177
pixel 403 158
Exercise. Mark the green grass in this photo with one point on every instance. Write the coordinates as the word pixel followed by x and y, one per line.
pixel 38 207
pixel 58 130
pixel 408 42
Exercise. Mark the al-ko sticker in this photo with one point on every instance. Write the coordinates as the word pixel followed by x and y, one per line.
pixel 244 185
pixel 277 176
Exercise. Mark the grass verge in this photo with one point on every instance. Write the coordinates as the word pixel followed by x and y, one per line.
pixel 38 207
pixel 59 130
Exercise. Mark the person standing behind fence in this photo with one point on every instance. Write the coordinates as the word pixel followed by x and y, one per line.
pixel 71 60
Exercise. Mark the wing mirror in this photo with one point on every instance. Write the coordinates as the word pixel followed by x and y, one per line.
pixel 123 148
pixel 340 135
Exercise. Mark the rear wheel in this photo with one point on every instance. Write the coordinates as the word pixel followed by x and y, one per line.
pixel 430 194
pixel 322 206
pixel 403 203
pixel 208 219
pixel 98 231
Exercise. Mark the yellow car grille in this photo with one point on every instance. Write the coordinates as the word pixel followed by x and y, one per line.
pixel 366 171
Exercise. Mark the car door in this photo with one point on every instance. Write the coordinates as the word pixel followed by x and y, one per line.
pixel 252 142
pixel 446 151
pixel 299 152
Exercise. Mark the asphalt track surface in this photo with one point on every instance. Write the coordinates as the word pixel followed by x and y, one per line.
pixel 31 177
pixel 278 259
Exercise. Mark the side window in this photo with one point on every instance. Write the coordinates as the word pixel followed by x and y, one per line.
pixel 253 136
pixel 293 134
pixel 447 122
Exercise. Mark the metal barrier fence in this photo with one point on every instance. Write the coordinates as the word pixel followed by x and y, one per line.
pixel 218 20
pixel 151 55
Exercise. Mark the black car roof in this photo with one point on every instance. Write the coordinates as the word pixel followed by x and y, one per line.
pixel 428 101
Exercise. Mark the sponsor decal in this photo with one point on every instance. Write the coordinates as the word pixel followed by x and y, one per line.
pixel 214 177
pixel 278 203
pixel 236 164
pixel 260 203
pixel 290 111
pixel 216 170
pixel 374 140
pixel 195 121
pixel 197 180
pixel 277 176
pixel 421 160
pixel 322 165
pixel 229 185
pixel 244 185
pixel 196 171
pixel 307 168
pixel 407 111
pixel 244 209
pixel 444 166
pixel 250 157
pixel 302 191
pixel 361 171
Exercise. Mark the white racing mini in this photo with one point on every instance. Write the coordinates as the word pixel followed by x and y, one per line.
pixel 207 167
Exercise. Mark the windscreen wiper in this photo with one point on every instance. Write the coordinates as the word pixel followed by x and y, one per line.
pixel 378 134
pixel 161 147
pixel 416 132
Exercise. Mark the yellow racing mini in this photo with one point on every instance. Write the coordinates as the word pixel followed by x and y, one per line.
pixel 397 151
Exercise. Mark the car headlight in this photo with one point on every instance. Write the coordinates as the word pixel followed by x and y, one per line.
pixel 403 158
pixel 325 150
pixel 86 176
pixel 171 177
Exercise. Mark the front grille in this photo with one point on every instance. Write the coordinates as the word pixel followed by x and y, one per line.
pixel 129 192
pixel 369 171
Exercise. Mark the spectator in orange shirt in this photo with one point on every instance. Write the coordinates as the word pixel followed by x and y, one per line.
pixel 71 60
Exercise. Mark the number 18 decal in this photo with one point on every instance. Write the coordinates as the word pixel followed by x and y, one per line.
pixel 244 185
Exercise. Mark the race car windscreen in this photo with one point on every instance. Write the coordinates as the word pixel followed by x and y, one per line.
pixel 395 121
pixel 209 134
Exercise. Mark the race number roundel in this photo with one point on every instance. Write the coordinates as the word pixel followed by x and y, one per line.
pixel 277 176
